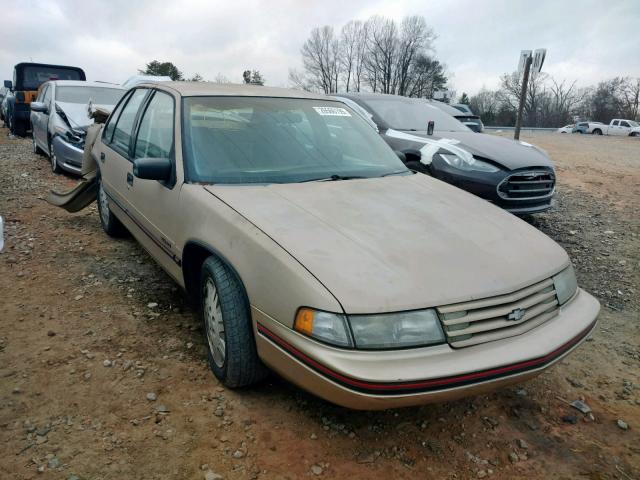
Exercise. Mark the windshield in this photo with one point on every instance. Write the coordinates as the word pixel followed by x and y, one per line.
pixel 632 123
pixel 97 95
pixel 34 76
pixel 402 113
pixel 280 140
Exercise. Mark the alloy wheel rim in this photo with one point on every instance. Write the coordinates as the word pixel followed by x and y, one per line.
pixel 104 205
pixel 214 323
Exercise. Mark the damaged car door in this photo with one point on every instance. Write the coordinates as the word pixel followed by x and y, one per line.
pixel 40 120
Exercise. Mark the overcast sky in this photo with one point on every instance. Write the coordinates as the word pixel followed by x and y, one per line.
pixel 478 40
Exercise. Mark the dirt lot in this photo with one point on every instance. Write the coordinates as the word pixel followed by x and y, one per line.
pixel 83 344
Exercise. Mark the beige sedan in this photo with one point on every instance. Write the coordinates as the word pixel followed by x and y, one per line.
pixel 313 251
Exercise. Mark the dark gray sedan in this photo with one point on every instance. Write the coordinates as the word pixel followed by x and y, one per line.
pixel 516 176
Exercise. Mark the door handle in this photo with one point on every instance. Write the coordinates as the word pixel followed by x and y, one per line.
pixel 130 179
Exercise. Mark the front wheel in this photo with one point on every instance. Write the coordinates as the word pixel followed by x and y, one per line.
pixel 53 158
pixel 635 134
pixel 110 223
pixel 36 148
pixel 232 353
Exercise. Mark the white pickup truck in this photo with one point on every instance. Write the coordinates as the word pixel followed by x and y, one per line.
pixel 618 126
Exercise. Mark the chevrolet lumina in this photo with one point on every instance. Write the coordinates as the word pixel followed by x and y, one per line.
pixel 60 118
pixel 313 251
pixel 516 176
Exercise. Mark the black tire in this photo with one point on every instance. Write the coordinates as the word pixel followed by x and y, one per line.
pixel 53 159
pixel 240 365
pixel 19 128
pixel 110 223
pixel 635 134
pixel 597 131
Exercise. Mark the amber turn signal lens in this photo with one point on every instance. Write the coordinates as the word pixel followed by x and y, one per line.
pixel 304 321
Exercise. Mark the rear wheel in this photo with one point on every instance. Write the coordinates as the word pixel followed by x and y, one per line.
pixel 110 224
pixel 231 346
pixel 597 131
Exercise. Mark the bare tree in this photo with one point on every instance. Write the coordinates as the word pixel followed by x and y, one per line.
pixel 220 78
pixel 566 99
pixel 511 85
pixel 379 54
pixel 382 45
pixel 299 80
pixel 353 47
pixel 320 58
pixel 415 39
pixel 630 93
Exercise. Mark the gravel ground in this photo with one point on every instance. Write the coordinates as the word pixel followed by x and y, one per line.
pixel 104 375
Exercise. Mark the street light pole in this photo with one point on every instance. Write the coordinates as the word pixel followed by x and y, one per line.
pixel 523 96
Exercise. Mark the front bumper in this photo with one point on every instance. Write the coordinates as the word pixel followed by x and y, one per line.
pixel 69 155
pixel 485 185
pixel 400 378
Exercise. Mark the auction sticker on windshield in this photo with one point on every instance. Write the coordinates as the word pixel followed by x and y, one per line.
pixel 332 111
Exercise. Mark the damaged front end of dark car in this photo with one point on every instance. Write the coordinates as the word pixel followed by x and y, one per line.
pixel 520 190
pixel 514 175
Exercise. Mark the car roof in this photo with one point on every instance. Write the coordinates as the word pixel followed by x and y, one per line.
pixel 371 96
pixel 80 83
pixel 207 89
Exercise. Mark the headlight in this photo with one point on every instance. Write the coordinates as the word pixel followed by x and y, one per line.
pixel 468 164
pixel 565 284
pixel 396 330
pixel 61 130
pixel 324 326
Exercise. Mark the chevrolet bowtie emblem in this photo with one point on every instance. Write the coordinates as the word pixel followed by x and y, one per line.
pixel 516 314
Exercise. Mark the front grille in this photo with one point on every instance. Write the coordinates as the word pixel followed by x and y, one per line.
pixel 480 321
pixel 533 185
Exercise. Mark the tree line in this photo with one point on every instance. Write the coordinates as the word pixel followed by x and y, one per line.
pixel 377 55
pixel 553 103
pixel 385 56
pixel 168 69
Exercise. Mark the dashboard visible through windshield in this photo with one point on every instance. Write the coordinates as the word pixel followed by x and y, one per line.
pixel 280 140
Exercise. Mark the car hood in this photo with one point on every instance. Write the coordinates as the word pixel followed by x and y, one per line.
pixel 509 153
pixel 398 243
pixel 78 113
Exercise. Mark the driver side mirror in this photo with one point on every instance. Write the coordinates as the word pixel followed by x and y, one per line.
pixel 8 84
pixel 152 168
pixel 39 107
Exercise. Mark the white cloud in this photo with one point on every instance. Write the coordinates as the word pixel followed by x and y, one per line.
pixel 478 41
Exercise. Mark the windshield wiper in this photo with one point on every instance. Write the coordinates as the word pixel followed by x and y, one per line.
pixel 397 172
pixel 333 178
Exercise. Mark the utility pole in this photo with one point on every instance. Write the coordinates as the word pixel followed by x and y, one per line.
pixel 527 60
pixel 523 96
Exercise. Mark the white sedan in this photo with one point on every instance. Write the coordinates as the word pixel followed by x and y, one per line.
pixel 566 129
